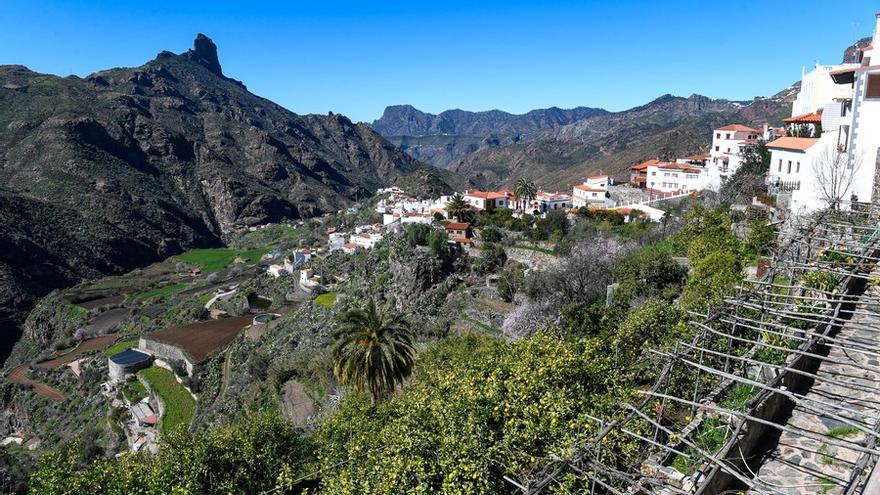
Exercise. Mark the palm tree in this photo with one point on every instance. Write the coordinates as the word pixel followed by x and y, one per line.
pixel 373 349
pixel 525 191
pixel 457 206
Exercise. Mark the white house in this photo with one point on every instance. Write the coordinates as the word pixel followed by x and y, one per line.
pixel 366 240
pixel 545 202
pixel 337 239
pixel 278 270
pixel 728 143
pixel 850 122
pixel 818 90
pixel 487 200
pixel 594 191
pixel 670 179
pixel 351 248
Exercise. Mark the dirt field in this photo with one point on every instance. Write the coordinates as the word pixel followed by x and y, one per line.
pixel 103 301
pixel 203 339
pixel 86 346
pixel 19 375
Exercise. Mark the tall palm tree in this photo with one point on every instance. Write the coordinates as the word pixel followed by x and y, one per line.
pixel 457 206
pixel 373 349
pixel 525 191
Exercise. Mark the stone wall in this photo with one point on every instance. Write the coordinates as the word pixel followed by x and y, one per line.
pixel 167 352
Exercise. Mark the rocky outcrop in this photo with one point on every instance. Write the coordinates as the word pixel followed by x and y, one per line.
pixel 140 163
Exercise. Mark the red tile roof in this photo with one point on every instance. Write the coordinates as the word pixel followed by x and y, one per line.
pixel 807 118
pixel 462 240
pixel 583 187
pixel 487 194
pixel 350 245
pixel 597 177
pixel 676 166
pixel 793 143
pixel 458 226
pixel 736 127
pixel 645 164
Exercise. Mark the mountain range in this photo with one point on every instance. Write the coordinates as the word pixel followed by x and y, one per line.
pixel 102 174
pixel 557 147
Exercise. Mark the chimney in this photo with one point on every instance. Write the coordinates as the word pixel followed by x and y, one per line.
pixel 877 30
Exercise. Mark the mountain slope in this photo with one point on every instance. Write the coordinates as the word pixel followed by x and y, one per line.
pixel 667 127
pixel 444 138
pixel 129 165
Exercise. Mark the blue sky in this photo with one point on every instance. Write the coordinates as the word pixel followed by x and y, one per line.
pixel 357 57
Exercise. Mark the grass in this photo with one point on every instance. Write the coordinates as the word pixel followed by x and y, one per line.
pixel 121 346
pixel 161 291
pixel 826 484
pixel 843 432
pixel 741 394
pixel 179 404
pixel 214 260
pixel 134 390
pixel 278 234
pixel 327 299
pixel 710 436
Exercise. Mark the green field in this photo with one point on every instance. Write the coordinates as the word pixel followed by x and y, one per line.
pixel 163 291
pixel 326 299
pixel 213 260
pixel 179 405
pixel 121 346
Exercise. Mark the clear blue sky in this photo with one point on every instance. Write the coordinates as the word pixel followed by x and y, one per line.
pixel 356 57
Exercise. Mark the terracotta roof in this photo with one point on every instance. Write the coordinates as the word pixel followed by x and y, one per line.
pixel 676 166
pixel 458 226
pixel 462 240
pixel 597 177
pixel 807 118
pixel 486 194
pixel 736 127
pixel 793 143
pixel 644 164
pixel 350 245
pixel 583 187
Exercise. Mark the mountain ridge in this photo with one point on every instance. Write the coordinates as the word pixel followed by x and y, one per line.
pixel 130 165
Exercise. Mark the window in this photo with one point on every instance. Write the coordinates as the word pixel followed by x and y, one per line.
pixel 798 169
pixel 728 150
pixel 873 90
pixel 788 171
pixel 727 136
pixel 717 135
pixel 653 173
pixel 717 148
pixel 780 166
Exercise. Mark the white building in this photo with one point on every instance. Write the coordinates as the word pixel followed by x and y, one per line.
pixel 487 200
pixel 670 179
pixel 278 270
pixel 818 90
pixel 728 143
pixel 337 239
pixel 850 122
pixel 366 240
pixel 791 171
pixel 545 202
pixel 593 192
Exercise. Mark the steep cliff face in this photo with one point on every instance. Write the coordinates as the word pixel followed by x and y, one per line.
pixel 129 165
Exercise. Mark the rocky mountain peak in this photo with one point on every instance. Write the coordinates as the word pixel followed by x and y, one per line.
pixel 204 51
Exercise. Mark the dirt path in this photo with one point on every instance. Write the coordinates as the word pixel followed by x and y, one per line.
pixel 224 380
pixel 20 375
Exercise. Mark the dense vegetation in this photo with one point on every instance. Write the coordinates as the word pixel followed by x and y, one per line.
pixel 477 405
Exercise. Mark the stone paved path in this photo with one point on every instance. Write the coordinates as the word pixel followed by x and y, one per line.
pixel 800 465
